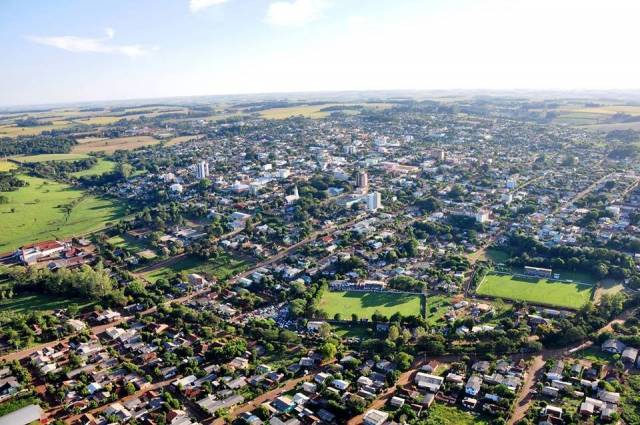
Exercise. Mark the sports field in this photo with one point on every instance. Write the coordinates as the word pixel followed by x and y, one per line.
pixel 365 304
pixel 536 290
pixel 46 209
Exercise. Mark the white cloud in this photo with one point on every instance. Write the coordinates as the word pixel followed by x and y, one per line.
pixel 198 5
pixel 295 13
pixel 75 44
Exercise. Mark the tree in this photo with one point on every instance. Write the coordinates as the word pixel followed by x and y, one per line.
pixel 328 351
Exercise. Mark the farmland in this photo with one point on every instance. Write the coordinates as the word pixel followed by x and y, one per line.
pixel 112 145
pixel 14 131
pixel 36 212
pixel 536 290
pixel 50 157
pixel 312 111
pixel 365 304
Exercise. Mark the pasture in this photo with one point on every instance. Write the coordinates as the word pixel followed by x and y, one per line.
pixel 536 290
pixel 112 145
pixel 46 209
pixel 12 130
pixel 101 167
pixel 365 304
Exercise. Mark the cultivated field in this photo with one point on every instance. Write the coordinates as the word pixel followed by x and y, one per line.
pixel 536 290
pixel 12 130
pixel 38 212
pixel 50 157
pixel 112 145
pixel 365 304
pixel 314 111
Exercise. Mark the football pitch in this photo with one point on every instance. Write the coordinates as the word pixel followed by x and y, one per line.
pixel 536 290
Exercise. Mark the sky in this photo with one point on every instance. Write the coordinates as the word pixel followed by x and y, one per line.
pixel 89 50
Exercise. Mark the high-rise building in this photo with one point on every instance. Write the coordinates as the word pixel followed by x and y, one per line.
pixel 374 201
pixel 202 170
pixel 362 180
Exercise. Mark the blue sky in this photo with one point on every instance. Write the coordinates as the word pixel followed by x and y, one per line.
pixel 79 50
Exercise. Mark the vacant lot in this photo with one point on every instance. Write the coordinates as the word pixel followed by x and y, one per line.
pixel 112 145
pixel 50 157
pixel 441 414
pixel 37 212
pixel 535 290
pixel 365 304
pixel 436 307
pixel 221 268
pixel 40 302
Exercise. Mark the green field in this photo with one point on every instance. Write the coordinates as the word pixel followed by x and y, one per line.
pixel 436 307
pixel 40 302
pixel 365 304
pixel 101 167
pixel 7 166
pixel 536 290
pixel 51 157
pixel 440 414
pixel 127 243
pixel 36 213
pixel 221 268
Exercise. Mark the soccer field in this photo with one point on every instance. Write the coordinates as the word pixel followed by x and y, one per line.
pixel 365 304
pixel 536 290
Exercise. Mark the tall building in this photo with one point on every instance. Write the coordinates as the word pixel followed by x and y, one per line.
pixel 374 201
pixel 362 180
pixel 202 170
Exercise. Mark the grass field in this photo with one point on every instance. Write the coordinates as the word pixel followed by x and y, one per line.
pixel 101 167
pixel 38 214
pixel 127 243
pixel 181 139
pixel 535 290
pixel 436 307
pixel 365 304
pixel 98 120
pixel 221 268
pixel 440 414
pixel 40 302
pixel 353 331
pixel 112 145
pixel 7 166
pixel 50 157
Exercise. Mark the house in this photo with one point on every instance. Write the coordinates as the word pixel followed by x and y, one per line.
pixel 428 382
pixel 396 402
pixel 314 326
pixel 26 415
pixel 473 385
pixel 375 417
pixel 30 254
pixel 613 346
pixel 283 404
pixel 556 371
pixel 340 384
pixel 629 355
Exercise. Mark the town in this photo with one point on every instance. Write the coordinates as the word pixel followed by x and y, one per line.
pixel 380 262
